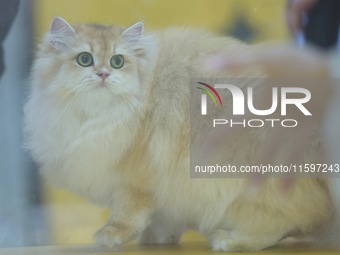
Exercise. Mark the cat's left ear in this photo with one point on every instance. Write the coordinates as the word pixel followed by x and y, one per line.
pixel 61 33
pixel 134 33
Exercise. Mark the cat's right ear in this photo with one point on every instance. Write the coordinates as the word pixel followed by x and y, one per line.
pixel 61 33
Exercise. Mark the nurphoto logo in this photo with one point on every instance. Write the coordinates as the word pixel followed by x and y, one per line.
pixel 281 98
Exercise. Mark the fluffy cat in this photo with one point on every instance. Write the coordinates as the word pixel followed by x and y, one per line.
pixel 108 118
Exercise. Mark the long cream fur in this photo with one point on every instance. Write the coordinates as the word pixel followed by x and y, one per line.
pixel 125 144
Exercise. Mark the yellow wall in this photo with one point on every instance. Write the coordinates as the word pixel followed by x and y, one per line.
pixel 72 219
pixel 266 15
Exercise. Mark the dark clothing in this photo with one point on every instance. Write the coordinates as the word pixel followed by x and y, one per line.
pixel 8 11
pixel 322 29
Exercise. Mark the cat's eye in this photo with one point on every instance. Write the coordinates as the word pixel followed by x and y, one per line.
pixel 85 59
pixel 117 61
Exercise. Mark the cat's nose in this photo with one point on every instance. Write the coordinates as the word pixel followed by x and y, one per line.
pixel 103 75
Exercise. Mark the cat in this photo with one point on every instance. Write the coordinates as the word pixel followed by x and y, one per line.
pixel 108 118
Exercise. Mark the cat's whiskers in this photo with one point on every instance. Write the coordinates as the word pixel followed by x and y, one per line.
pixel 57 105
pixel 136 53
pixel 75 90
pixel 67 106
pixel 132 101
pixel 129 96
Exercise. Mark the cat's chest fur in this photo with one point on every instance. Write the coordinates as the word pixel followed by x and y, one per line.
pixel 86 153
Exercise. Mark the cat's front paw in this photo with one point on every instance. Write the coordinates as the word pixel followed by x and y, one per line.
pixel 219 241
pixel 112 235
pixel 222 240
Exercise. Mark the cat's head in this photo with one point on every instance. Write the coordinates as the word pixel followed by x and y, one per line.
pixel 94 65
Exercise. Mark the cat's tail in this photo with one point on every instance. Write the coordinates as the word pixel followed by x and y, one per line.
pixel 329 236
